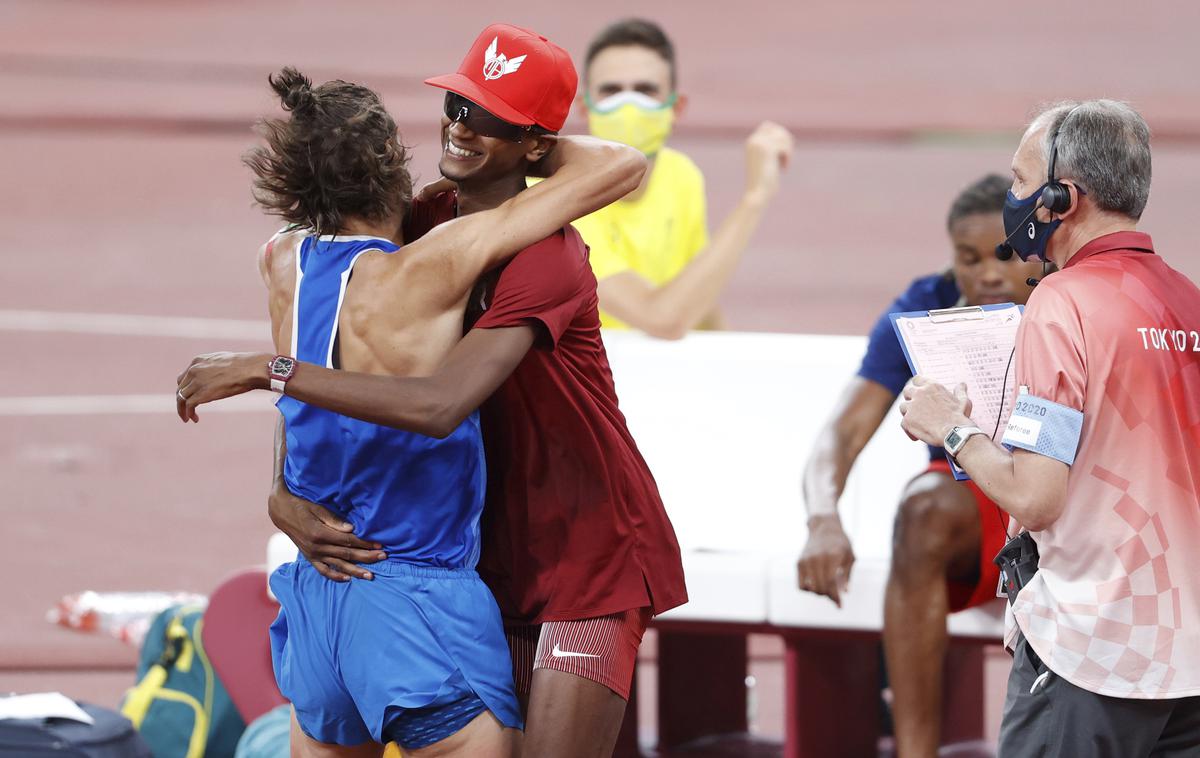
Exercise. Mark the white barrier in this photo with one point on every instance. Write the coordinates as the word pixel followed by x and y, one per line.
pixel 726 422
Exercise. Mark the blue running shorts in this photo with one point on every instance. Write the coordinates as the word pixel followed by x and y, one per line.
pixel 417 641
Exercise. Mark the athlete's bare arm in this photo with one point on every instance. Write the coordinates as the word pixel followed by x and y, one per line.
pixel 433 405
pixel 824 566
pixel 403 312
pixel 277 265
pixel 584 175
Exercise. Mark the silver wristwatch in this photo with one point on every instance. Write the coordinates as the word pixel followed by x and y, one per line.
pixel 957 437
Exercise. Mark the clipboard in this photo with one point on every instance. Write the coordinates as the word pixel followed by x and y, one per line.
pixel 975 344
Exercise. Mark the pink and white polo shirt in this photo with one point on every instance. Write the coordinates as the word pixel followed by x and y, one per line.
pixel 1109 355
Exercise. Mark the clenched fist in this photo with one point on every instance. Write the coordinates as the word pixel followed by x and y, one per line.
pixel 768 150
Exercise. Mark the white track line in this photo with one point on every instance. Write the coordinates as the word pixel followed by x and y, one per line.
pixel 136 325
pixel 107 405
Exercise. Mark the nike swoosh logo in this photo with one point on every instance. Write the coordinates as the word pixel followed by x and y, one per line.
pixel 557 653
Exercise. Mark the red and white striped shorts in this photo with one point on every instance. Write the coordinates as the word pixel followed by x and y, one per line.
pixel 603 649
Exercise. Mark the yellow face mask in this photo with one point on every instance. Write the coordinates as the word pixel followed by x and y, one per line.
pixel 633 119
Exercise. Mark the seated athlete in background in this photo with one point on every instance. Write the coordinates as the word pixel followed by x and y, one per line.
pixel 418 656
pixel 946 532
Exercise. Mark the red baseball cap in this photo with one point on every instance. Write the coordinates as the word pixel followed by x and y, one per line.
pixel 517 75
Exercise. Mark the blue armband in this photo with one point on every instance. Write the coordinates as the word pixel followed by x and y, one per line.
pixel 1044 427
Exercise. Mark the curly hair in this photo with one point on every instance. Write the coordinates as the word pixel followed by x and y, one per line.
pixel 336 155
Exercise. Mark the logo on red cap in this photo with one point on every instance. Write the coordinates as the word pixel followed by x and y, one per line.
pixel 541 95
pixel 496 66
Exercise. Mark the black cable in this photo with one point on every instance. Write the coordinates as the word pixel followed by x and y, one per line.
pixel 1000 415
pixel 1003 392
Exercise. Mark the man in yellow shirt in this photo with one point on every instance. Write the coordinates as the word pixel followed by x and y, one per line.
pixel 658 270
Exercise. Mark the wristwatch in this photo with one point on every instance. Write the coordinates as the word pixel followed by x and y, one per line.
pixel 281 369
pixel 957 437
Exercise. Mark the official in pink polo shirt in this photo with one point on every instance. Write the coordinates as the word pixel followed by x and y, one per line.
pixel 1100 464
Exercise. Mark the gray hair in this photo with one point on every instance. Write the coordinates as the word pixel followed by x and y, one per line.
pixel 1104 146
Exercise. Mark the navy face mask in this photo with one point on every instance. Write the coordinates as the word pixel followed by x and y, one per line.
pixel 1026 235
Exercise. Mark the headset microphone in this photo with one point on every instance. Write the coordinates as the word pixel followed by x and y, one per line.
pixel 1034 281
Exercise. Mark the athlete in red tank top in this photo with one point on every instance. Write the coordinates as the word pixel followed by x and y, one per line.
pixel 574 525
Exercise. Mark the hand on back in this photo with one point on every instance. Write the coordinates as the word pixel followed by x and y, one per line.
pixel 328 542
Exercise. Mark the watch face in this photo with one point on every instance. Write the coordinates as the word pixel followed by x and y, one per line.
pixel 953 440
pixel 282 366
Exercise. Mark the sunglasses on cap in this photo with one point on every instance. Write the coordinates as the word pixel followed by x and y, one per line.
pixel 461 110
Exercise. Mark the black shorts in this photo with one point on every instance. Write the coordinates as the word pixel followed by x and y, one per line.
pixel 1059 720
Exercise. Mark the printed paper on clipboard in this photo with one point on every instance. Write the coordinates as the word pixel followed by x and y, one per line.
pixel 972 345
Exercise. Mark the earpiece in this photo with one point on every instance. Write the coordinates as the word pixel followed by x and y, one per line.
pixel 1056 197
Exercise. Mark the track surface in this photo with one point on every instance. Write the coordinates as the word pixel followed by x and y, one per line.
pixel 120 130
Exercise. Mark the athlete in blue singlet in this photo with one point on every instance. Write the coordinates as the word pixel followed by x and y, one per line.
pixel 419 497
pixel 429 615
pixel 417 655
